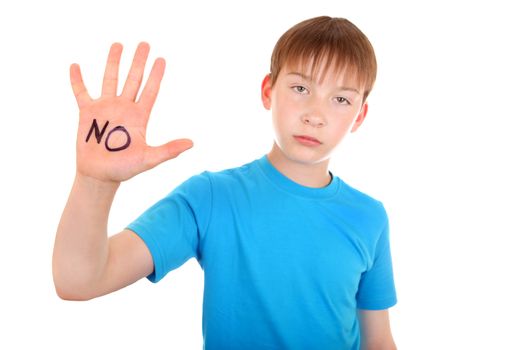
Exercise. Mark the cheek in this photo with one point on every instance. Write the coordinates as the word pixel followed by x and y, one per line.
pixel 280 102
pixel 283 112
pixel 281 121
pixel 342 126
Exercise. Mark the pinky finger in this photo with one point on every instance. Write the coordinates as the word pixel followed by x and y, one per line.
pixel 77 84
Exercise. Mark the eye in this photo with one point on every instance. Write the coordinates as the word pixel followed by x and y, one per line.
pixel 300 89
pixel 342 100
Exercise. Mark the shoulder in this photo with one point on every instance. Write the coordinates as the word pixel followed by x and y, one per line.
pixel 362 202
pixel 232 176
pixel 366 214
pixel 234 172
pixel 205 178
pixel 209 184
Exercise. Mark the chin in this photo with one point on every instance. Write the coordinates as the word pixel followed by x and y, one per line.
pixel 307 158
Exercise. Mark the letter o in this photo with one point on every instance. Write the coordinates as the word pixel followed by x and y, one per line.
pixel 120 148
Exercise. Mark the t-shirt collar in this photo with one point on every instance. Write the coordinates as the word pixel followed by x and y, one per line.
pixel 292 187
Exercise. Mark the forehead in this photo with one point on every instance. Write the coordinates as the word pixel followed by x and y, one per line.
pixel 325 70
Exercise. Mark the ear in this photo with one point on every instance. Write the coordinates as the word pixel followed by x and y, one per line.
pixel 266 92
pixel 360 117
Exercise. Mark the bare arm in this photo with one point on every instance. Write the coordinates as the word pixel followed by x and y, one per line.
pixel 375 330
pixel 87 264
pixel 111 148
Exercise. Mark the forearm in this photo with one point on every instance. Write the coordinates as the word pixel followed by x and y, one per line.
pixel 81 245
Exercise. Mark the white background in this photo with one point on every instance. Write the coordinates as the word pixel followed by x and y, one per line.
pixel 443 148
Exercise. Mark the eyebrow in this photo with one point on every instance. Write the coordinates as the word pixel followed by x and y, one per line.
pixel 309 79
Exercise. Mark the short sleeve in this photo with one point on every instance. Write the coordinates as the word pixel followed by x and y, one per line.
pixel 172 227
pixel 376 288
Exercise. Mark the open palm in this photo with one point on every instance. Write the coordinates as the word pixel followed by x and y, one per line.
pixel 111 139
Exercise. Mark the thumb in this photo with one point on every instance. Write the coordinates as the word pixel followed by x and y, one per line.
pixel 156 155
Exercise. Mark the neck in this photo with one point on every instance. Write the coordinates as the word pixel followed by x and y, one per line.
pixel 306 174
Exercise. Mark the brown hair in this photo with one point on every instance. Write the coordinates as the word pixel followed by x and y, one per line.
pixel 325 41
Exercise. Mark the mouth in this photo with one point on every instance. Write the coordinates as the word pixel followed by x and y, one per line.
pixel 307 140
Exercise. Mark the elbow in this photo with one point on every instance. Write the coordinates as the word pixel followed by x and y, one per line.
pixel 67 289
pixel 72 286
pixel 70 295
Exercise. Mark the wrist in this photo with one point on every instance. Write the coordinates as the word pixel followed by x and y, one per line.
pixel 95 185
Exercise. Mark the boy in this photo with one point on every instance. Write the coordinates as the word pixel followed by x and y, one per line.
pixel 293 257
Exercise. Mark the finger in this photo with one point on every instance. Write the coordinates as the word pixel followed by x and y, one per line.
pixel 110 82
pixel 151 89
pixel 136 72
pixel 170 150
pixel 79 89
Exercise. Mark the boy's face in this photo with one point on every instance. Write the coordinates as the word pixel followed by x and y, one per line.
pixel 311 117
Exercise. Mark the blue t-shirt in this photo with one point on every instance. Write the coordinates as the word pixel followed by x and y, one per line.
pixel 285 266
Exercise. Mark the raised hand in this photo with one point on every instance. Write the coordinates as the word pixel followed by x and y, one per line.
pixel 111 139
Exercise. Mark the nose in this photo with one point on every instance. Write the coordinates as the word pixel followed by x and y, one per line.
pixel 313 119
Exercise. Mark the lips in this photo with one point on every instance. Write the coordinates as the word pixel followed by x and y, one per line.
pixel 307 140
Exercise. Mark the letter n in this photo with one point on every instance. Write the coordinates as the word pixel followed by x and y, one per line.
pixel 98 133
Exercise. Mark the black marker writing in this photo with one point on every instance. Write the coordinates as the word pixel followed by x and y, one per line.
pixel 100 133
pixel 124 146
